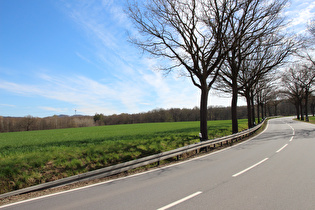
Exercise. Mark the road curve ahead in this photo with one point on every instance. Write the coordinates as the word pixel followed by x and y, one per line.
pixel 275 170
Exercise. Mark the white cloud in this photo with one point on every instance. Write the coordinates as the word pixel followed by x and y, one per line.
pixel 53 109
pixel 299 14
pixel 80 91
pixel 8 105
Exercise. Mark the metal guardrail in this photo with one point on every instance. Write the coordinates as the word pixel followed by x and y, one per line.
pixel 122 167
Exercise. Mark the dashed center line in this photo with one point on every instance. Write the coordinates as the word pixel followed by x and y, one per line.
pixel 279 150
pixel 247 169
pixel 180 201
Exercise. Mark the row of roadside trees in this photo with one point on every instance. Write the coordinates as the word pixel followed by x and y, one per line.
pixel 234 46
pixel 298 80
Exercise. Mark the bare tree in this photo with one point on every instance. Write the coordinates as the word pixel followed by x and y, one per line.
pixel 189 34
pixel 268 54
pixel 298 82
pixel 307 44
pixel 27 122
pixel 253 20
pixel 306 81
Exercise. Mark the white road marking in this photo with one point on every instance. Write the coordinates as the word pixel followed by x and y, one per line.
pixel 180 201
pixel 291 128
pixel 279 150
pixel 291 138
pixel 247 169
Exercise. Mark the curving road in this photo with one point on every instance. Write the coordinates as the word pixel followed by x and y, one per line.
pixel 275 170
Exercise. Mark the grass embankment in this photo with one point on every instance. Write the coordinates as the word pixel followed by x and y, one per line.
pixel 34 157
pixel 311 119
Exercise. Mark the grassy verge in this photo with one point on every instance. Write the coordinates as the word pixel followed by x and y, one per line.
pixel 30 158
pixel 311 119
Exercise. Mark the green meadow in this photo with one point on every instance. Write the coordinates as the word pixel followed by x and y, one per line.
pixel 34 157
pixel 312 119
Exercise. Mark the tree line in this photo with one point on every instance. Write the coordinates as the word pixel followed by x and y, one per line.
pixel 29 123
pixel 281 108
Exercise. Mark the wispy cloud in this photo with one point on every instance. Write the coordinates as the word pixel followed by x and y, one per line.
pixel 8 105
pixel 53 109
pixel 78 90
pixel 122 80
pixel 131 75
pixel 299 14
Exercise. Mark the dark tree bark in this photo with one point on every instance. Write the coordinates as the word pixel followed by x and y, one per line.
pixel 258 107
pixel 253 109
pixel 249 111
pixel 203 113
pixel 234 107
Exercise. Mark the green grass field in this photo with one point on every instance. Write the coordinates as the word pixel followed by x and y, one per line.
pixel 312 119
pixel 34 157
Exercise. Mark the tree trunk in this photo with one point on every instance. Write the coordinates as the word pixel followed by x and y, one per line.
pixel 301 110
pixel 306 105
pixel 258 108
pixel 204 114
pixel 234 108
pixel 297 109
pixel 262 110
pixel 265 109
pixel 249 112
pixel 253 109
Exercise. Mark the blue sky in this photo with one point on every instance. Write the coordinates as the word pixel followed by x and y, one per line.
pixel 58 56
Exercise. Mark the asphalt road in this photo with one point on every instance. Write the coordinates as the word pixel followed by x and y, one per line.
pixel 275 170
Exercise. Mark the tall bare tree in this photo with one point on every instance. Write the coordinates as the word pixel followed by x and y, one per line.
pixel 267 55
pixel 307 81
pixel 187 32
pixel 254 20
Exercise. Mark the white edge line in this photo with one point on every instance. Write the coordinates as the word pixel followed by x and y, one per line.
pixel 180 201
pixel 247 169
pixel 279 150
pixel 138 174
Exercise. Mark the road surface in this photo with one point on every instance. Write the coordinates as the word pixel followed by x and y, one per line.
pixel 275 170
